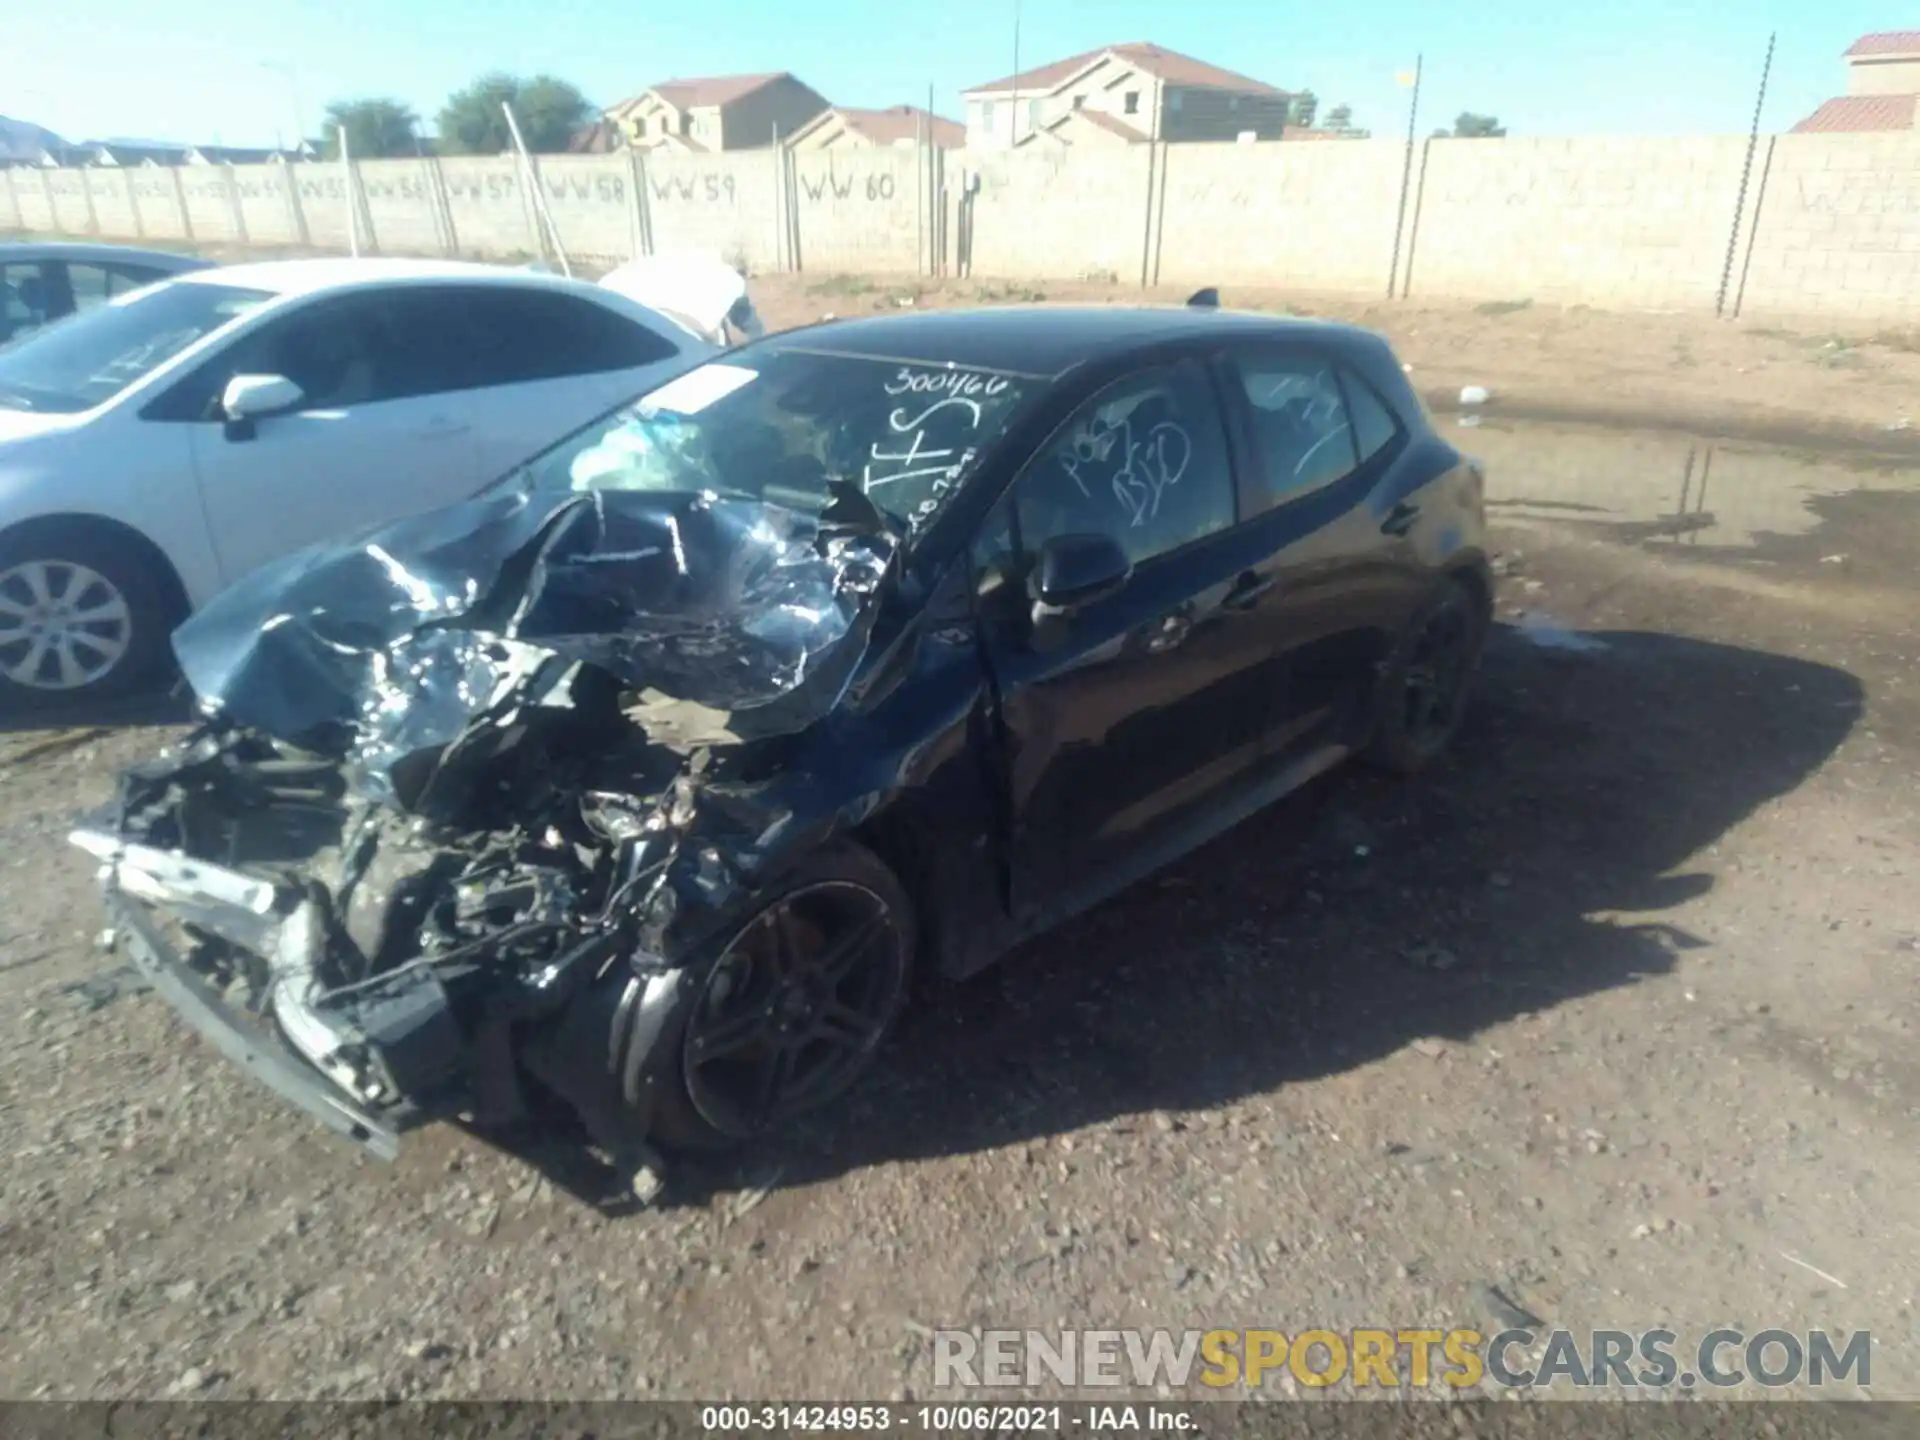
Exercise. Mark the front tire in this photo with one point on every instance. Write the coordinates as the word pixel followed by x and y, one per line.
pixel 1423 689
pixel 790 1009
pixel 84 617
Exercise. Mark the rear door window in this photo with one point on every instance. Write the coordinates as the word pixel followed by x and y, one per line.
pixel 96 284
pixel 520 336
pixel 1302 433
pixel 28 298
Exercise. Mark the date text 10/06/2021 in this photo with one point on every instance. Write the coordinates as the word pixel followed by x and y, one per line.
pixel 945 1419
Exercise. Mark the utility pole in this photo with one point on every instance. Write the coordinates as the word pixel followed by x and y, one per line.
pixel 1406 178
pixel 1013 124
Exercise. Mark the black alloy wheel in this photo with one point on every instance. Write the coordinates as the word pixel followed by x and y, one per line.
pixel 796 1005
pixel 1423 693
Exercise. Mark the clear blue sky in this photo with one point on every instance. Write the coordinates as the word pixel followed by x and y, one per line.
pixel 193 70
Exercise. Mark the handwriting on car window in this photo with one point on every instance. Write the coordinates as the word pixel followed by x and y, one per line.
pixel 930 438
pixel 1138 465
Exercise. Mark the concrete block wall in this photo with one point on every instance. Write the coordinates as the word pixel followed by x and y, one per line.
pixel 1060 214
pixel 1825 225
pixel 1624 223
pixel 1320 217
pixel 860 209
pixel 728 204
pixel 1837 229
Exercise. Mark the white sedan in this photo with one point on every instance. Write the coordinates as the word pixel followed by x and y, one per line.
pixel 157 447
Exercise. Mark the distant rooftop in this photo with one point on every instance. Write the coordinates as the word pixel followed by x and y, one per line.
pixel 1855 113
pixel 1168 65
pixel 1885 42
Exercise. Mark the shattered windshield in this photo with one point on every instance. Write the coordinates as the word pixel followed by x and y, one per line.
pixel 784 427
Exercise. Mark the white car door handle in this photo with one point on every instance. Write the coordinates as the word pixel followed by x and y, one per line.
pixel 435 429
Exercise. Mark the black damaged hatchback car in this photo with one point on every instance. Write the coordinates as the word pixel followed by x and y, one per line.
pixel 643 781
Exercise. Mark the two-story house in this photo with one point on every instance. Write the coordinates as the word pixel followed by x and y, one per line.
pixel 720 112
pixel 1883 87
pixel 1123 93
pixel 898 127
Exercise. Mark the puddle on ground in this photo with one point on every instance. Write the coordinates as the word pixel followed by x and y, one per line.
pixel 1665 489
pixel 1539 630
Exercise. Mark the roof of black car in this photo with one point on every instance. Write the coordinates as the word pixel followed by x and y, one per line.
pixel 1036 339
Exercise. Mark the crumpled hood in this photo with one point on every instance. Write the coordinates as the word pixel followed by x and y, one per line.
pixel 399 641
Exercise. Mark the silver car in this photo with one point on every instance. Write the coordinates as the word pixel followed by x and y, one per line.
pixel 43 282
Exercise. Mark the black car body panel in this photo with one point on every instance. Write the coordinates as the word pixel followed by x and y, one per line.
pixel 490 784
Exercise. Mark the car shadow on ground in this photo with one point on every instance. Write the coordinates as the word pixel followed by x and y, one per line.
pixel 1530 869
pixel 172 705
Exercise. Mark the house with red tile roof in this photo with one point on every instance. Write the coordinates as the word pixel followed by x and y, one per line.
pixel 717 112
pixel 1123 94
pixel 1883 87
pixel 898 127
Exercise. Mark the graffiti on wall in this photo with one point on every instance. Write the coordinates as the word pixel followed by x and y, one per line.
pixel 713 186
pixel 598 188
pixel 1884 198
pixel 818 187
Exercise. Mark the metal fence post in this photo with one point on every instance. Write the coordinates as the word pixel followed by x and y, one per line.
pixel 636 211
pixel 441 206
pixel 133 205
pixel 233 203
pixel 296 212
pixel 1753 226
pixel 1746 173
pixel 1406 177
pixel 86 193
pixel 180 199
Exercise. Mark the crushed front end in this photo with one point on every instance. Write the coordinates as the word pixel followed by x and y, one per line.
pixel 472 790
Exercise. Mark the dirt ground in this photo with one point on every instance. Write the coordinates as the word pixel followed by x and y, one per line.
pixel 1782 381
pixel 1611 1019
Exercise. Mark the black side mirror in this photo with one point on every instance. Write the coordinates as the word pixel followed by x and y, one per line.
pixel 1075 570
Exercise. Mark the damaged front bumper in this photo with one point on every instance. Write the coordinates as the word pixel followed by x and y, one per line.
pixel 133 876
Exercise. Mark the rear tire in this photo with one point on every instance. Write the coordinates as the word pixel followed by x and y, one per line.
pixel 1422 694
pixel 800 994
pixel 85 617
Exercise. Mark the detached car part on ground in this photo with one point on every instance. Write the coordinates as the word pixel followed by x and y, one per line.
pixel 643 780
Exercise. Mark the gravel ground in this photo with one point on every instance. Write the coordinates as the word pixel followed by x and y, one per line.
pixel 1610 1019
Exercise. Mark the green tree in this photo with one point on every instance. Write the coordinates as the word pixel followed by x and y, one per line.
pixel 376 129
pixel 549 111
pixel 1302 109
pixel 1468 126
pixel 1340 122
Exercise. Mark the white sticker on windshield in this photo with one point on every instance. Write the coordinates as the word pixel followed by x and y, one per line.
pixel 697 389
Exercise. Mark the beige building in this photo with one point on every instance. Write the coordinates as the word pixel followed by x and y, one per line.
pixel 1883 87
pixel 899 127
pixel 1123 94
pixel 720 112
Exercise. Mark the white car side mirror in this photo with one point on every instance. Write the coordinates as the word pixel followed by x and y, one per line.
pixel 253 397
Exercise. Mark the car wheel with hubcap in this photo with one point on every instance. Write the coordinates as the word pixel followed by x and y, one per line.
pixel 790 1012
pixel 82 618
pixel 1423 690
